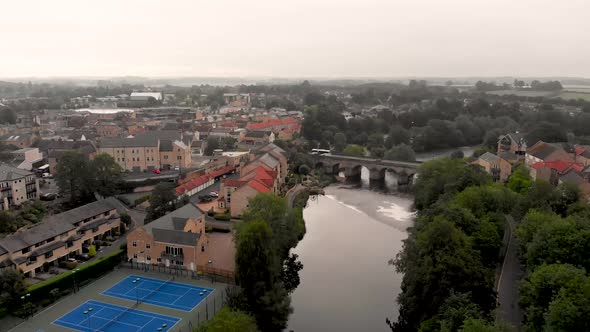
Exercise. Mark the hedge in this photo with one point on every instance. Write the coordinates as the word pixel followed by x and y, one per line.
pixel 65 281
pixel 222 217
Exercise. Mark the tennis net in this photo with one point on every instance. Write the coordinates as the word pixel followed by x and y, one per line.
pixel 157 289
pixel 116 318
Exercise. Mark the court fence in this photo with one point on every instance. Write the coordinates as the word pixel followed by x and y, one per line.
pixel 203 272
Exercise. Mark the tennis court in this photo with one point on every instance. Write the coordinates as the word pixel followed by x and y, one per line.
pixel 104 317
pixel 164 293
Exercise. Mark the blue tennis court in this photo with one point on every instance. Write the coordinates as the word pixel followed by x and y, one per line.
pixel 104 317
pixel 164 293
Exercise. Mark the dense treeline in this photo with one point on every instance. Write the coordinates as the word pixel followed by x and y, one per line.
pixel 449 258
pixel 442 123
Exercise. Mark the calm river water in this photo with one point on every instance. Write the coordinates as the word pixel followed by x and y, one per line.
pixel 346 282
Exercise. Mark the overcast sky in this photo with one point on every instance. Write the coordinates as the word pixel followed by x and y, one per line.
pixel 295 38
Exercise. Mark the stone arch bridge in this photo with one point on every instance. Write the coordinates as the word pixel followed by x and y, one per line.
pixel 351 166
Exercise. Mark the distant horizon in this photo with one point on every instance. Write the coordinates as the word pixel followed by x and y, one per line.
pixel 326 39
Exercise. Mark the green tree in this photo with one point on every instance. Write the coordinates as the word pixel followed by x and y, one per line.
pixel 520 180
pixel 443 177
pixel 570 310
pixel 339 142
pixel 162 200
pixel 12 286
pixel 74 177
pixel 543 287
pixel 354 150
pixel 126 219
pixel 212 144
pixel 92 251
pixel 228 320
pixel 397 135
pixel 480 325
pixel 401 152
pixel 108 174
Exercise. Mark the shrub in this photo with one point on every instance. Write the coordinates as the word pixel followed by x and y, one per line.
pixel 222 217
pixel 65 281
pixel 92 251
pixel 211 213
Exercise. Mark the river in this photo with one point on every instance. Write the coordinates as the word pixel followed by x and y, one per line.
pixel 346 282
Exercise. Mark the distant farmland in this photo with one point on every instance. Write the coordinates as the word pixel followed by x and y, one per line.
pixel 567 95
pixel 522 93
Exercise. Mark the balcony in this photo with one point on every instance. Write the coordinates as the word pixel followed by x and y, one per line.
pixel 172 256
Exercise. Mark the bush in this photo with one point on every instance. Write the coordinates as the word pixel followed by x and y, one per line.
pixel 92 251
pixel 141 200
pixel 211 213
pixel 222 217
pixel 64 282
pixel 3 312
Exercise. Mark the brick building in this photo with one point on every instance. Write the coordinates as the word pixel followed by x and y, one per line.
pixel 16 186
pixel 177 239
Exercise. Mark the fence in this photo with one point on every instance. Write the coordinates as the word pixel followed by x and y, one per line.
pixel 203 271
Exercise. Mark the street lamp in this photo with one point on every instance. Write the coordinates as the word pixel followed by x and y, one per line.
pixel 30 304
pixel 24 308
pixel 74 277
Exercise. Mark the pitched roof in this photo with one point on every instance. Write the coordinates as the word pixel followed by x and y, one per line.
pixel 542 150
pixel 269 160
pixel 85 211
pixel 558 165
pixel 130 142
pixel 9 173
pixel 572 178
pixel 258 186
pixel 272 123
pixel 256 134
pixel 175 237
pixel 167 221
pixel 490 157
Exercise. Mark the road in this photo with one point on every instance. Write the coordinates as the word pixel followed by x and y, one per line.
pixel 508 282
pixel 214 187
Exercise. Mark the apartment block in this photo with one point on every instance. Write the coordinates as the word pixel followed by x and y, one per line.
pixel 16 186
pixel 59 237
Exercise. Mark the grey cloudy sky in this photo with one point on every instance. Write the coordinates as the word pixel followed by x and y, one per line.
pixel 295 38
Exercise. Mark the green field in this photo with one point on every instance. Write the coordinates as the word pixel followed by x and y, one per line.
pixel 522 93
pixel 575 95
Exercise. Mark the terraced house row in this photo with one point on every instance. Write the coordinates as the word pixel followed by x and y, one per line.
pixel 59 237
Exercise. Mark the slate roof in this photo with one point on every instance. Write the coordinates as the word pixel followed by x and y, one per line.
pixel 490 157
pixel 572 177
pixel 542 150
pixel 256 134
pixel 36 234
pixel 167 221
pixel 85 211
pixel 9 173
pixel 175 237
pixel 269 160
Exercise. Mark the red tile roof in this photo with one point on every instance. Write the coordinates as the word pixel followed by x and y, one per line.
pixel 221 172
pixel 580 150
pixel 258 186
pixel 233 183
pixel 558 165
pixel 272 123
pixel 192 184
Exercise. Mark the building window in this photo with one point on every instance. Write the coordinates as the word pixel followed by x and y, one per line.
pixel 166 157
pixel 134 255
pixel 26 250
pixel 134 244
pixel 147 245
pixel 49 254
pixel 159 259
pixel 202 247
pixel 148 258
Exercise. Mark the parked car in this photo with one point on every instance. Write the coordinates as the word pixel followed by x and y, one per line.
pixel 176 168
pixel 47 175
pixel 157 171
pixel 83 257
pixel 48 197
pixel 213 194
